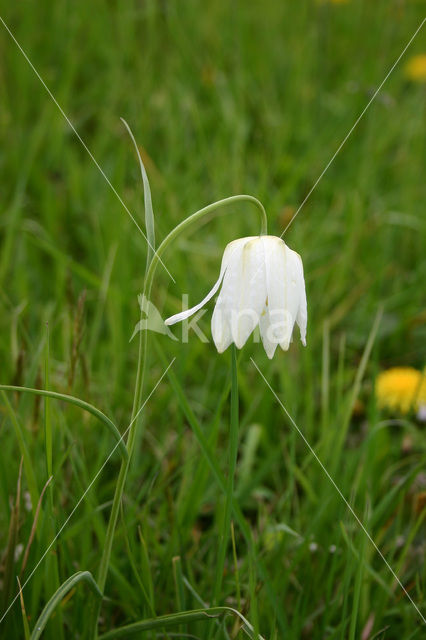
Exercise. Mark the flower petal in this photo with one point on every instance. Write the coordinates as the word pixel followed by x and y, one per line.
pixel 295 290
pixel 282 304
pixel 251 298
pixel 265 329
pixel 227 302
pixel 302 314
pixel 178 317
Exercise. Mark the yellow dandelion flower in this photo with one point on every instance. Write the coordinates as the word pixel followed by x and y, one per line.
pixel 401 389
pixel 415 69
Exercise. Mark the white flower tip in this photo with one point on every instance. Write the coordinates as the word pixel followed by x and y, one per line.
pixel 240 341
pixel 221 346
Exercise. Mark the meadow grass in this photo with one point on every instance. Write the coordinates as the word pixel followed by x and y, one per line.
pixel 223 98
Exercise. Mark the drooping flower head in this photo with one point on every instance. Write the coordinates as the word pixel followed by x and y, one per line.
pixel 262 285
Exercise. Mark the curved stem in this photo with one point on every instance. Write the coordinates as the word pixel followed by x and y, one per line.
pixel 211 208
pixel 173 235
pixel 140 376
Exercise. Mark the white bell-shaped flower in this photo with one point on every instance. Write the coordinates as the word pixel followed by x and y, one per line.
pixel 262 284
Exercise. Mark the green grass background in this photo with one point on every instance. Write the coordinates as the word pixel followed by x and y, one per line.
pixel 223 98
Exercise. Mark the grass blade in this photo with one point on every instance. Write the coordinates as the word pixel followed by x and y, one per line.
pixel 149 214
pixel 57 597
pixel 78 403
pixel 179 586
pixel 24 613
pixel 176 619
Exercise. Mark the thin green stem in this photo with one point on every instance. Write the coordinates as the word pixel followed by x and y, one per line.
pixel 233 450
pixel 140 377
pixel 221 482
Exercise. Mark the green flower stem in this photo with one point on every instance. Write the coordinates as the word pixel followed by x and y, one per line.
pixel 140 377
pixel 233 450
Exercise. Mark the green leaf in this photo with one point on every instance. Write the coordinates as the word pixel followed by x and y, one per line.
pixel 149 214
pixel 78 403
pixel 176 619
pixel 57 597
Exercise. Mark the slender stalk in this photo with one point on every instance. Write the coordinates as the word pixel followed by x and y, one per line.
pixel 140 377
pixel 233 450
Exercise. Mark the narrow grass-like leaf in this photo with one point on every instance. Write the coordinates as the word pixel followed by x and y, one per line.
pixel 357 590
pixel 203 604
pixel 51 248
pixel 24 613
pixel 78 403
pixel 176 619
pixel 149 214
pixel 179 587
pixel 146 573
pixel 325 376
pixel 236 570
pixel 248 456
pixel 407 546
pixel 384 507
pixel 375 575
pixel 59 595
pixel 343 428
pixel 140 576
